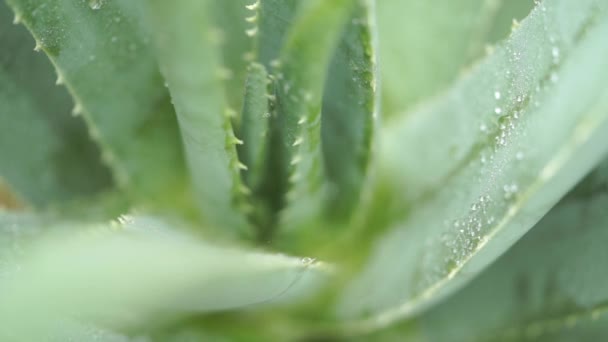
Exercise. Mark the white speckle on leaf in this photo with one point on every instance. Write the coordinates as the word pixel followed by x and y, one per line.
pixel 254 6
pixel 251 32
pixel 96 4
pixel 555 53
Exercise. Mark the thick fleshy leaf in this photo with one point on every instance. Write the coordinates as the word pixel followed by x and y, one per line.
pixel 268 21
pixel 476 169
pixel 230 19
pixel 189 59
pixel 255 124
pixel 424 45
pixel 300 74
pixel 122 274
pixel 273 18
pixel 45 154
pixel 326 167
pixel 551 284
pixel 349 112
pixel 101 54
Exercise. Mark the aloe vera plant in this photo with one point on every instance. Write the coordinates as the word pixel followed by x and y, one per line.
pixel 300 170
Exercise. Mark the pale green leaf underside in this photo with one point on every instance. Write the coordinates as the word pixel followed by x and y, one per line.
pixel 546 284
pixel 480 166
pixel 125 273
pixel 190 62
pixel 101 53
pixel 45 156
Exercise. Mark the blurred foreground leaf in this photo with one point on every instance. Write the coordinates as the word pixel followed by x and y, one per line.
pixel 126 273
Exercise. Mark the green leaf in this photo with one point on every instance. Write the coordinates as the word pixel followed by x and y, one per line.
pixel 75 331
pixel 268 21
pixel 508 14
pixel 101 54
pixel 476 169
pixel 549 282
pixel 189 59
pixel 229 18
pixel 327 161
pixel 349 112
pixel 123 274
pixel 424 45
pixel 45 155
pixel 273 18
pixel 300 74
pixel 255 124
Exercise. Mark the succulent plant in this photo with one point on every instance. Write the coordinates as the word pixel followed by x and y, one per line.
pixel 299 170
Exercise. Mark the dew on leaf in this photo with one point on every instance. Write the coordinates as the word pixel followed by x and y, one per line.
pixel 554 77
pixel 306 261
pixel 555 53
pixel 510 190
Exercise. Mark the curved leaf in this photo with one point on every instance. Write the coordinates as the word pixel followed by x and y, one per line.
pixel 325 178
pixel 551 281
pixel 125 273
pixel 300 75
pixel 273 19
pixel 100 51
pixel 349 112
pixel 485 165
pixel 190 62
pixel 230 21
pixel 255 124
pixel 45 156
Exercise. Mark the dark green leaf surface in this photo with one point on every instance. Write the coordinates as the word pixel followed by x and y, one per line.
pixel 479 167
pixel 300 75
pixel 326 169
pixel 349 112
pixel 45 155
pixel 273 18
pixel 255 124
pixel 100 51
pixel 230 21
